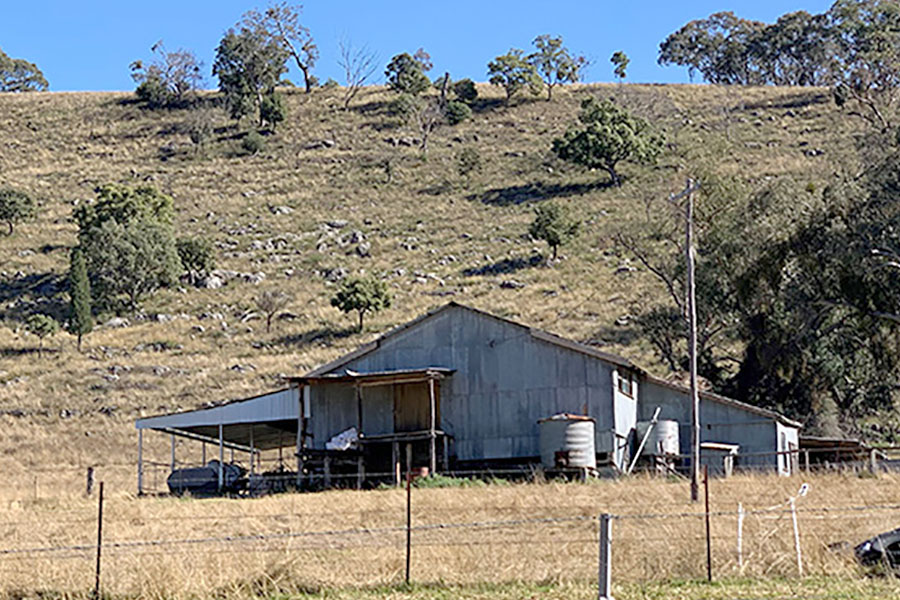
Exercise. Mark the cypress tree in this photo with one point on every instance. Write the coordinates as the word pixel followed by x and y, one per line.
pixel 80 321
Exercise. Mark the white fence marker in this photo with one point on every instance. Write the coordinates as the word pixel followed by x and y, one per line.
pixel 796 536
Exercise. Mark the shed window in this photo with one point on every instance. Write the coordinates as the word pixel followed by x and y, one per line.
pixel 626 386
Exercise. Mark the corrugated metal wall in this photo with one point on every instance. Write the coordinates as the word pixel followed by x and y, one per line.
pixel 505 381
pixel 718 423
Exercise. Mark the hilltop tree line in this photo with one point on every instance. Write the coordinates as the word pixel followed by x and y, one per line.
pixel 854 47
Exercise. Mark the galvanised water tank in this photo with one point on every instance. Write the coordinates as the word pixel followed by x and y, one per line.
pixel 663 439
pixel 567 441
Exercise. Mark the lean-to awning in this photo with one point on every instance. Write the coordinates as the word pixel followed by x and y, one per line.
pixel 264 422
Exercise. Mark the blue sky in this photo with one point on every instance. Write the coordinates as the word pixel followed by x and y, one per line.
pixel 88 44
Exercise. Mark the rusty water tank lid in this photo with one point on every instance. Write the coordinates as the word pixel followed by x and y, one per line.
pixel 567 417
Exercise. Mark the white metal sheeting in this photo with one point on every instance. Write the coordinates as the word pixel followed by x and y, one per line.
pixel 283 405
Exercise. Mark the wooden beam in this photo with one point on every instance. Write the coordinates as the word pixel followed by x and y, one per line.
pixel 221 458
pixel 432 410
pixel 141 462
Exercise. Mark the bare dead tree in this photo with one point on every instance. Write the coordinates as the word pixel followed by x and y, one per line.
pixel 359 64
pixel 281 22
pixel 427 115
pixel 270 303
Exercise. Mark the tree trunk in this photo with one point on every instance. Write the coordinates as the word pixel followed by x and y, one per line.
pixel 549 92
pixel 269 322
pixel 616 180
pixel 554 249
pixel 444 85
pixel 9 224
pixel 79 341
pixel 305 72
pixel 361 320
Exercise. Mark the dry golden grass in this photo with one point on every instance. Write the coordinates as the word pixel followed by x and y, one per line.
pixel 531 533
pixel 59 146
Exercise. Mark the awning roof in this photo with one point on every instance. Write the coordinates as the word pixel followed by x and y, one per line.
pixel 268 421
pixel 375 378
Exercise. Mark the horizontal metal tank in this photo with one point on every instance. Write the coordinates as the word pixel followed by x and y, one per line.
pixel 663 439
pixel 567 441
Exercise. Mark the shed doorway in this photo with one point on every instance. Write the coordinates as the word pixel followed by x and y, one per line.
pixel 412 407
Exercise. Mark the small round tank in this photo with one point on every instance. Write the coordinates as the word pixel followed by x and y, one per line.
pixel 567 441
pixel 663 439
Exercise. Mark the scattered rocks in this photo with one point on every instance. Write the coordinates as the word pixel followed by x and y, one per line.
pixel 281 210
pixel 625 269
pixel 515 154
pixel 215 316
pixel 117 323
pixel 164 318
pixel 363 249
pixel 212 282
pixel 511 284
pixel 239 368
pixel 354 237
pixel 198 329
pixel 813 152
pixel 337 223
pixel 624 320
pixel 334 275
pixel 24 253
pixel 254 278
pixel 319 145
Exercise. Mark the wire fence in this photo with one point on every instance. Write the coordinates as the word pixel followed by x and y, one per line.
pixel 196 547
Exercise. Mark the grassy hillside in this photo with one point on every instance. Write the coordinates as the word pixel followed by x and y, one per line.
pixel 432 237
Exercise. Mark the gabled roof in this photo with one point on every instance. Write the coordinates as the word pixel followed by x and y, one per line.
pixel 549 338
pixel 538 334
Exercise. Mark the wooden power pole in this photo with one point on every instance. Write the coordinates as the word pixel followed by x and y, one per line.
pixel 691 309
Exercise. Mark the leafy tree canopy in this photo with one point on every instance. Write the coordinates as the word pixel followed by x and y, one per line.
pixel 19 75
pixel 406 74
pixel 128 244
pixel 553 225
pixel 610 135
pixel 554 63
pixel 249 63
pixel 363 296
pixel 513 72
pixel 620 62
pixel 197 256
pixel 124 205
pixel 41 326
pixel 15 206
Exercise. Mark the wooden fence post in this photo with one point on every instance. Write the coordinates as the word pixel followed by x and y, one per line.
pixel 408 508
pixel 740 537
pixel 708 541
pixel 604 572
pixel 99 543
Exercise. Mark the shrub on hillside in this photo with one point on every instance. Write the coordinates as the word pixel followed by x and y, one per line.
pixel 465 91
pixel 402 107
pixel 253 143
pixel 457 112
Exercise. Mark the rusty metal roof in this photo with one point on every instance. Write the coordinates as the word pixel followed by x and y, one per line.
pixel 375 378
